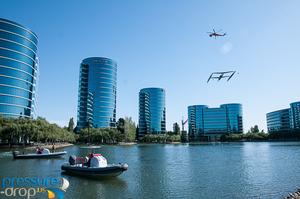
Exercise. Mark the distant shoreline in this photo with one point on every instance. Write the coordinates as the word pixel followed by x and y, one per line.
pixel 174 143
pixel 44 145
pixel 63 145
pixel 49 146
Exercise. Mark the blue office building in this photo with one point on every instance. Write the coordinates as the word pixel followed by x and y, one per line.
pixel 97 93
pixel 295 115
pixel 279 121
pixel 152 111
pixel 209 124
pixel 284 120
pixel 18 70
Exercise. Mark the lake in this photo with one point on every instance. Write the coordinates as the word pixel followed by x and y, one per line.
pixel 211 170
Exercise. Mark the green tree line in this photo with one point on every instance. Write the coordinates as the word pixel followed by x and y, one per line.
pixel 125 132
pixel 254 134
pixel 25 130
pixel 260 136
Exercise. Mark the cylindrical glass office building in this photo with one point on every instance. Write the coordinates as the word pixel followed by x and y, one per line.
pixel 196 120
pixel 18 70
pixel 234 117
pixel 97 93
pixel 152 111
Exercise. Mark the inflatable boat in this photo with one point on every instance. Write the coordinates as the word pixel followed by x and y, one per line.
pixel 111 170
pixel 17 155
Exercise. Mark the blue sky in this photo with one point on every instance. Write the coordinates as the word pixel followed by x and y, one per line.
pixel 164 44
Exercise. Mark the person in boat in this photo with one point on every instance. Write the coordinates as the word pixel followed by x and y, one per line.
pixel 53 148
pixel 41 150
pixel 89 157
pixel 38 150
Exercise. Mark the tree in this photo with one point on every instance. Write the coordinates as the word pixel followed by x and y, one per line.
pixel 184 136
pixel 254 129
pixel 129 129
pixel 176 128
pixel 121 125
pixel 71 125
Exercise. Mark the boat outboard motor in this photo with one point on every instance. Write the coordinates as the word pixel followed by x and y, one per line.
pixel 72 159
pixel 15 153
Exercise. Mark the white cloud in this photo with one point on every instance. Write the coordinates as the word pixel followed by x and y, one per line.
pixel 226 48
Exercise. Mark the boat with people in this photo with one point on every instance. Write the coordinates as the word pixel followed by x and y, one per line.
pixel 40 153
pixel 93 166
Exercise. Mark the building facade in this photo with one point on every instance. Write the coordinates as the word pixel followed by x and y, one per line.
pixel 279 121
pixel 152 111
pixel 208 124
pixel 97 93
pixel 295 115
pixel 285 120
pixel 18 70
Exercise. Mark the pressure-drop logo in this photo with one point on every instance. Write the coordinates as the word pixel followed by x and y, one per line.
pixel 28 187
pixel 58 193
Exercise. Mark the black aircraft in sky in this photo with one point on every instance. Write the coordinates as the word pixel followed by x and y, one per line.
pixel 216 34
pixel 221 75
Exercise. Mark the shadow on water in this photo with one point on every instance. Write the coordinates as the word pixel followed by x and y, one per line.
pixel 82 187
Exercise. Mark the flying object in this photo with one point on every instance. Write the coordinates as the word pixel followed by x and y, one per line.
pixel 221 75
pixel 216 34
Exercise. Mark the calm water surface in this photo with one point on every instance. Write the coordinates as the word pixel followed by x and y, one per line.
pixel 228 170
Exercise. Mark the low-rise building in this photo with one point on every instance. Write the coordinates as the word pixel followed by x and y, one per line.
pixel 209 124
pixel 284 120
